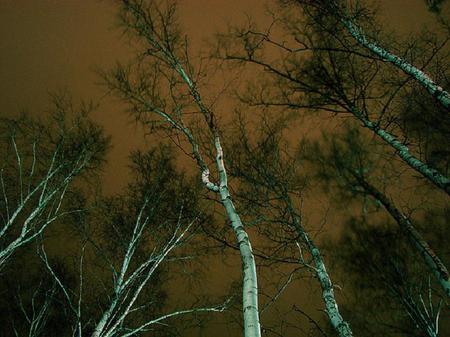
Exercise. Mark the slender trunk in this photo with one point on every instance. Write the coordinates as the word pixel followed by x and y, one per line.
pixel 99 328
pixel 250 284
pixel 332 309
pixel 435 90
pixel 433 262
pixel 433 175
pixel 338 323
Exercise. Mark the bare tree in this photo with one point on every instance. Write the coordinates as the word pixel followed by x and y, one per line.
pixel 129 282
pixel 346 161
pixel 322 68
pixel 392 295
pixel 163 85
pixel 347 13
pixel 31 303
pixel 332 59
pixel 354 165
pixel 40 162
pixel 114 287
pixel 272 187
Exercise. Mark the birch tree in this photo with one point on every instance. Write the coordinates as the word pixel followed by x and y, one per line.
pixel 355 167
pixel 424 122
pixel 392 295
pixel 347 14
pixel 127 302
pixel 162 89
pixel 31 303
pixel 165 222
pixel 344 160
pixel 129 284
pixel 272 186
pixel 124 256
pixel 322 68
pixel 40 162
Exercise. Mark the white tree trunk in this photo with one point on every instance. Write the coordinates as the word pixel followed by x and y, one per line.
pixel 428 172
pixel 435 90
pixel 250 284
pixel 332 309
pixel 335 317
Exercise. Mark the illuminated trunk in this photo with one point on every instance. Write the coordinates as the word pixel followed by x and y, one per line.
pixel 403 152
pixel 250 284
pixel 335 317
pixel 435 90
pixel 337 321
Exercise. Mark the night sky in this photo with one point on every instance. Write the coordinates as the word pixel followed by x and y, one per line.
pixel 49 46
pixel 52 45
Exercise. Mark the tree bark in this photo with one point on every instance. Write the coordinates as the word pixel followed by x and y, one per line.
pixel 435 90
pixel 433 175
pixel 332 309
pixel 250 284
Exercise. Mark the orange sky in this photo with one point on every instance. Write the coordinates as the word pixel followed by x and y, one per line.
pixel 49 45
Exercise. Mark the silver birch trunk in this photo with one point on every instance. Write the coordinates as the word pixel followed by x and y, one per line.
pixel 433 175
pixel 162 49
pixel 431 259
pixel 337 321
pixel 435 90
pixel 335 317
pixel 250 284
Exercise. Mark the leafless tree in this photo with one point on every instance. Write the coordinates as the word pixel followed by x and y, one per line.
pixel 347 161
pixel 328 64
pixel 347 12
pixel 391 287
pixel 40 162
pixel 347 156
pixel 129 282
pixel 318 57
pixel 124 245
pixel 163 87
pixel 272 186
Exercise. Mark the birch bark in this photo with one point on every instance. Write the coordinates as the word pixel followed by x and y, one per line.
pixel 442 96
pixel 433 175
pixel 250 284
pixel 335 317
pixel 337 321
pixel 434 89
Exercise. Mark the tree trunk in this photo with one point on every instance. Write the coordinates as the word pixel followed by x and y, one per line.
pixel 428 172
pixel 332 309
pixel 250 284
pixel 435 90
